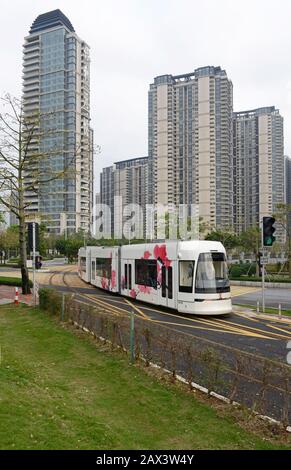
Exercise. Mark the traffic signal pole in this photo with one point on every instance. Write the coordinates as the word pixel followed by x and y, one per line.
pixel 263 270
pixel 268 239
pixel 33 263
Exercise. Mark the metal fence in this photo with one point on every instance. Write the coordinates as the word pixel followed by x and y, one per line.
pixel 258 383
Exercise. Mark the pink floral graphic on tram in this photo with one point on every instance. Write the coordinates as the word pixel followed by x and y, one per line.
pixel 133 293
pixel 160 254
pixel 113 279
pixel 144 289
pixel 146 255
pixel 122 281
pixel 104 283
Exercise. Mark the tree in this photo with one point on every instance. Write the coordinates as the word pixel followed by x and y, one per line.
pixel 228 239
pixel 21 156
pixel 250 240
pixel 282 215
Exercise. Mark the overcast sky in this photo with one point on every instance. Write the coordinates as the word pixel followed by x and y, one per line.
pixel 132 41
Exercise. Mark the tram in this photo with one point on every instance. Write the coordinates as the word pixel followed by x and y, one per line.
pixel 188 276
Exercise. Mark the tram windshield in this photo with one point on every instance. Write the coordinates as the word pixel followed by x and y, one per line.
pixel 212 274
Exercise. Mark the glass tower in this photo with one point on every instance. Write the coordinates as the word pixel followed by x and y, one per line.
pixel 56 86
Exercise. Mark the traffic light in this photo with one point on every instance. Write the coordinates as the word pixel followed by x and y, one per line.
pixel 268 231
pixel 38 263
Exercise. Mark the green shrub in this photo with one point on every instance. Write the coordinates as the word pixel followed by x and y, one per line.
pixel 12 281
pixel 51 301
pixel 235 270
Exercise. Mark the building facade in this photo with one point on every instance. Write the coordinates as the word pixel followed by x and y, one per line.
pixel 56 86
pixel 122 184
pixel 258 166
pixel 190 143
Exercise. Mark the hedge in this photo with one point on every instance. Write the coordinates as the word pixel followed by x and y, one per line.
pixel 50 301
pixel 12 281
pixel 258 279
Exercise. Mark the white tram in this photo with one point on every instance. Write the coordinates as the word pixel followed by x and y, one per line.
pixel 189 276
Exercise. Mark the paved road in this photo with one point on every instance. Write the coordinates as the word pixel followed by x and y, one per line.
pixel 273 297
pixel 267 338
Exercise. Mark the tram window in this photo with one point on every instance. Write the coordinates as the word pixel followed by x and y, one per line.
pixel 83 264
pixel 125 276
pixel 129 276
pixel 146 272
pixel 93 270
pixel 170 282
pixel 103 267
pixel 212 275
pixel 186 270
pixel 164 286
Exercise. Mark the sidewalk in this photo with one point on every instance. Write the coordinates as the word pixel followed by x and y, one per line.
pixel 7 294
pixel 248 312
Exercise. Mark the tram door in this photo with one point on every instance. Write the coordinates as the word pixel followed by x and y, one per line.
pixel 126 277
pixel 167 295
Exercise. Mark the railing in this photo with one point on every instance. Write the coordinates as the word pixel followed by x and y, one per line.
pixel 258 383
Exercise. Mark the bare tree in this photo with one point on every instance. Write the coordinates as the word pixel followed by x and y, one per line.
pixel 24 166
pixel 282 215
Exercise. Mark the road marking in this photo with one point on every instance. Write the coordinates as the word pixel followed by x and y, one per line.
pixel 101 302
pixel 205 321
pixel 137 309
pixel 254 329
pixel 210 329
pixel 280 329
pixel 237 293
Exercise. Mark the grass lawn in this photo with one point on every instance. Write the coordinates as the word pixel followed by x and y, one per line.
pixel 60 390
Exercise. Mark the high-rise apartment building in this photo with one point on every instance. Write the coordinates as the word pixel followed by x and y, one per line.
pixel 190 143
pixel 258 166
pixel 56 84
pixel 127 180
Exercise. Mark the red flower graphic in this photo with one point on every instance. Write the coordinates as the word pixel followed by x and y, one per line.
pixel 132 293
pixel 144 289
pixel 113 279
pixel 160 253
pixel 146 255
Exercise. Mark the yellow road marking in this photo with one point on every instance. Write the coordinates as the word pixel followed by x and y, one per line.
pixel 105 304
pixel 254 329
pixel 137 309
pixel 246 317
pixel 210 329
pixel 205 321
pixel 237 293
pixel 280 329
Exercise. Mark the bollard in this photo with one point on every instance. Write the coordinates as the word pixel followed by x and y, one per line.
pixel 16 300
pixel 258 307
pixel 279 311
pixel 132 355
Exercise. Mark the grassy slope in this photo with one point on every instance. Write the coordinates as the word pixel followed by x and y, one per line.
pixel 59 392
